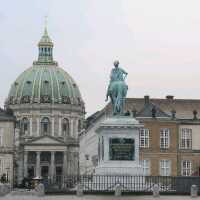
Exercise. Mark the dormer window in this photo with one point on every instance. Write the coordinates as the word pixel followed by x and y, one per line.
pixel 28 82
pixel 74 85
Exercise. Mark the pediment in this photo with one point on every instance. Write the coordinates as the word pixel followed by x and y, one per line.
pixel 46 140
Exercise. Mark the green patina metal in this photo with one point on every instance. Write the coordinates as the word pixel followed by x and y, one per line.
pixel 45 78
pixel 117 89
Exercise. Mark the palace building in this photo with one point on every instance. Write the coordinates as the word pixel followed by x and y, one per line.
pixel 169 141
pixel 49 113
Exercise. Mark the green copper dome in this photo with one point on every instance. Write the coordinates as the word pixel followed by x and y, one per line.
pixel 45 82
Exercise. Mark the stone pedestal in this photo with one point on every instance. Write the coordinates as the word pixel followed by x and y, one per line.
pixel 194 191
pixel 118 147
pixel 79 191
pixel 118 190
pixel 156 191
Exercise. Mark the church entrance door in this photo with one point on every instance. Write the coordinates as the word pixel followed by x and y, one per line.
pixel 58 174
pixel 45 172
pixel 31 171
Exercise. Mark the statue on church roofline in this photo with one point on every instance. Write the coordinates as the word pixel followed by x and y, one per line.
pixel 117 89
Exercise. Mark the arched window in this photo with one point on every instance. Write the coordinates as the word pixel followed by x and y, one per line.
pixel 65 127
pixel 45 126
pixel 25 125
pixel 79 126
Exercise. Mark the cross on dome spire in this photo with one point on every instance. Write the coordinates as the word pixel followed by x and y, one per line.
pixel 45 26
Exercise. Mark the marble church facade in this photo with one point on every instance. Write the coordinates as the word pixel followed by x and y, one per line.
pixel 49 113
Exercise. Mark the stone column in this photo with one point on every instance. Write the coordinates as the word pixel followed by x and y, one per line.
pixel 76 129
pixel 65 164
pixel 52 127
pixel 38 163
pixel 31 125
pixel 38 126
pixel 69 162
pixel 52 168
pixel 25 163
pixel 60 126
pixel 71 128
pixel 20 174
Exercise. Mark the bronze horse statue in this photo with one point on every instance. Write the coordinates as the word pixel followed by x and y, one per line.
pixel 117 89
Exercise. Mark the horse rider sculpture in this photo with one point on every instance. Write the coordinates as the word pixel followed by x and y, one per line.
pixel 117 89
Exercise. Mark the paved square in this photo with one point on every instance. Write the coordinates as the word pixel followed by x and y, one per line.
pixel 96 197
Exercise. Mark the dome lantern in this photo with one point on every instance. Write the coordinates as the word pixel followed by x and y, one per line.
pixel 45 47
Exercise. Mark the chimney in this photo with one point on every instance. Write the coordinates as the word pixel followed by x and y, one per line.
pixel 146 99
pixel 170 97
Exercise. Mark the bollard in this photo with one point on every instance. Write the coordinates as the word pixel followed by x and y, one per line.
pixel 156 191
pixel 4 189
pixel 1 189
pixel 118 190
pixel 79 191
pixel 194 191
pixel 39 189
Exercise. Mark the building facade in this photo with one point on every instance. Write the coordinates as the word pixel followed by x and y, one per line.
pixel 7 126
pixel 169 141
pixel 49 113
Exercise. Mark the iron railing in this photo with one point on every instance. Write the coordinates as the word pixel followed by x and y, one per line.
pixel 107 183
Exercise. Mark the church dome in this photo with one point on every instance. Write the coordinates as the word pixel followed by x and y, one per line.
pixel 44 82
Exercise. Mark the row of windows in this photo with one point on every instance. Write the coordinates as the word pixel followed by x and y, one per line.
pixel 185 138
pixel 45 49
pixel 45 126
pixel 165 167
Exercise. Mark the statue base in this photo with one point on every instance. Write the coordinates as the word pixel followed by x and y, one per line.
pixel 118 147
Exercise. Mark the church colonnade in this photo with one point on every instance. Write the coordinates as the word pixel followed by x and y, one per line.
pixel 48 164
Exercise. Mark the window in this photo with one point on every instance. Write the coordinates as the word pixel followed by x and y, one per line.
pixel 45 126
pixel 25 126
pixel 186 138
pixel 79 126
pixel 164 138
pixel 165 167
pixel 145 166
pixel 1 167
pixel 144 138
pixel 1 136
pixel 186 168
pixel 65 127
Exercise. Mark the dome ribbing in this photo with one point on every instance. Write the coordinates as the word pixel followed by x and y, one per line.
pixel 45 82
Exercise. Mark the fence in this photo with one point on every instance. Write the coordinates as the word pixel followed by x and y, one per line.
pixel 129 184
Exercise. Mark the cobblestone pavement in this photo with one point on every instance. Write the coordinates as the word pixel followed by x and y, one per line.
pixel 97 197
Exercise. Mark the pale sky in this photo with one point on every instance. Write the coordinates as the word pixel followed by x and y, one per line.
pixel 156 41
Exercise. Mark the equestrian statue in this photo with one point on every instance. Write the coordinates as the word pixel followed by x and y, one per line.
pixel 117 89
